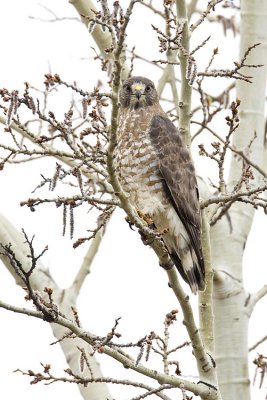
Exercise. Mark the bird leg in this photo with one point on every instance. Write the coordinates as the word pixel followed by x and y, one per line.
pixel 147 219
pixel 150 223
pixel 144 217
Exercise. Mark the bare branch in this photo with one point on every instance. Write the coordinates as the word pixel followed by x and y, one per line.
pixel 40 279
pixel 205 365
pixel 232 196
pixel 210 7
pixel 87 9
pixel 238 152
pixel 201 389
pixel 185 91
pixel 254 299
pixel 85 268
pixel 206 317
pixel 54 17
pixel 263 339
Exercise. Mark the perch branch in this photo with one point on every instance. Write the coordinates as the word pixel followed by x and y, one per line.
pixel 206 317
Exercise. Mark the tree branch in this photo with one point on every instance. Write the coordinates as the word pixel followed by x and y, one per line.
pixel 85 268
pixel 40 279
pixel 263 339
pixel 185 90
pixel 47 377
pixel 206 366
pixel 232 196
pixel 234 150
pixel 204 390
pixel 206 317
pixel 191 8
pixel 210 8
pixel 85 9
pixel 254 299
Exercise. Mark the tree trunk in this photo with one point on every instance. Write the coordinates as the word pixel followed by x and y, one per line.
pixel 230 305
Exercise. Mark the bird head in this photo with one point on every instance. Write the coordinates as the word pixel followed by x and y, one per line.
pixel 138 92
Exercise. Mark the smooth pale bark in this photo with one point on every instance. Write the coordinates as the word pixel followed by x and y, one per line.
pixel 65 299
pixel 86 8
pixel 229 235
pixel 103 39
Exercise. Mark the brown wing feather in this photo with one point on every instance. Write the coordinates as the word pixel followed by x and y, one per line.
pixel 179 177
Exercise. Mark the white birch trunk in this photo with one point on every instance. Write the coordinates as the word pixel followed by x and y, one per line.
pixel 65 299
pixel 229 236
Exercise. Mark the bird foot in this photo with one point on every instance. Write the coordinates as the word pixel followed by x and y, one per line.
pixel 144 217
pixel 147 219
pixel 150 224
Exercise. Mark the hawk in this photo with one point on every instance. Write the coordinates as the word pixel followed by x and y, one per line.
pixel 155 170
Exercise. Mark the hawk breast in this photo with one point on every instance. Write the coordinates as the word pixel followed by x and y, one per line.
pixel 138 164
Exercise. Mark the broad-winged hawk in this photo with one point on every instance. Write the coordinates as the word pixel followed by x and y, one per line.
pixel 155 169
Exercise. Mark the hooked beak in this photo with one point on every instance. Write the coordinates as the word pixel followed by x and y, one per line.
pixel 138 90
pixel 138 94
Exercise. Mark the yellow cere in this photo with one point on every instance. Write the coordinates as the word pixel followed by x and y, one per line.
pixel 137 87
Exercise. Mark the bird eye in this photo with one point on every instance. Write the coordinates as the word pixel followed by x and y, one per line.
pixel 127 88
pixel 148 88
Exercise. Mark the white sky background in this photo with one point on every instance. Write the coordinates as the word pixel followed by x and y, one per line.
pixel 125 280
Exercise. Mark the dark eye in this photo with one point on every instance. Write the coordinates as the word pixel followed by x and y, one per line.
pixel 127 88
pixel 148 88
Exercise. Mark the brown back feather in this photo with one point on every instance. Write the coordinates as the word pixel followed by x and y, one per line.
pixel 178 172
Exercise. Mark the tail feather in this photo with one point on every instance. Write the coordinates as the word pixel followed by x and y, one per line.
pixel 185 250
pixel 190 270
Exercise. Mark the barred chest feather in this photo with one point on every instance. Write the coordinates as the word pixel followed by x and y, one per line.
pixel 137 162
